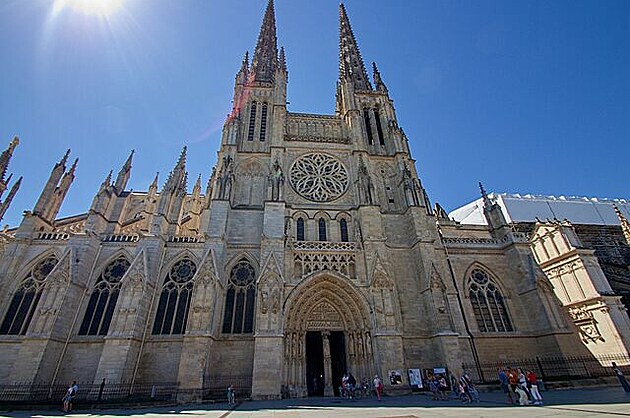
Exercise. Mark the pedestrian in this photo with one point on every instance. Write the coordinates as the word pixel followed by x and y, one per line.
pixel 230 395
pixel 69 396
pixel 505 385
pixel 513 380
pixel 532 382
pixel 621 377
pixel 523 384
pixel 443 388
pixel 378 386
pixel 352 384
pixel 433 385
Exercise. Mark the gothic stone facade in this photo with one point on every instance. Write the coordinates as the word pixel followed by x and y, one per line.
pixel 312 251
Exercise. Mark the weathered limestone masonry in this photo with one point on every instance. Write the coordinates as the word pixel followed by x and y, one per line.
pixel 313 251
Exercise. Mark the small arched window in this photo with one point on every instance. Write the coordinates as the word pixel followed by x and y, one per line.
pixel 488 303
pixel 238 317
pixel 252 122
pixel 322 229
pixel 172 310
pixel 26 298
pixel 343 230
pixel 300 229
pixel 98 315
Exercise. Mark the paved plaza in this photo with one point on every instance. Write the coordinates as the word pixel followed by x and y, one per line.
pixel 560 403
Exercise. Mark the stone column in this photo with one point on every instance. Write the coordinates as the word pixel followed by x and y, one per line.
pixel 328 388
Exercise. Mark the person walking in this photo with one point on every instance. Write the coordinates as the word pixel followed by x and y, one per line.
pixel 230 395
pixel 378 387
pixel 532 382
pixel 621 377
pixel 505 385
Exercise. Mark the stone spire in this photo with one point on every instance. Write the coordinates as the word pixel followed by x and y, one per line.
pixel 46 196
pixel 378 82
pixel 153 187
pixel 351 67
pixel 625 225
pixel 196 193
pixel 487 203
pixel 5 158
pixel 282 61
pixel 107 182
pixel 124 174
pixel 5 204
pixel 266 53
pixel 176 176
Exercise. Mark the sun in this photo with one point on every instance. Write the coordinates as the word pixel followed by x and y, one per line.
pixel 103 8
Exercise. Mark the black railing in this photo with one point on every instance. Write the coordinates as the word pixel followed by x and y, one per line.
pixel 553 368
pixel 27 393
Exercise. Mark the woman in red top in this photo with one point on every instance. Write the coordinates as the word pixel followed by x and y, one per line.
pixel 532 381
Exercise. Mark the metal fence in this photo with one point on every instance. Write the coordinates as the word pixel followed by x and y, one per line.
pixel 25 393
pixel 553 368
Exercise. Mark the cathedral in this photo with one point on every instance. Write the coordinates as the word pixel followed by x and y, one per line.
pixel 313 250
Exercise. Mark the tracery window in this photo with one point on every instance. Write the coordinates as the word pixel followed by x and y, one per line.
pixel 26 298
pixel 252 122
pixel 172 310
pixel 343 230
pixel 300 229
pixel 322 229
pixel 263 122
pixel 488 303
pixel 238 317
pixel 100 310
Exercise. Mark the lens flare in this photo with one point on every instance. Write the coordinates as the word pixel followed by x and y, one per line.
pixel 103 8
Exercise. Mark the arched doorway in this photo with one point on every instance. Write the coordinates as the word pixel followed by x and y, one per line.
pixel 326 333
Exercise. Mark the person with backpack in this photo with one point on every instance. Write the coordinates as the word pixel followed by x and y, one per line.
pixel 69 396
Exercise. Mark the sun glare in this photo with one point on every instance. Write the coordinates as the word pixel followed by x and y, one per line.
pixel 101 8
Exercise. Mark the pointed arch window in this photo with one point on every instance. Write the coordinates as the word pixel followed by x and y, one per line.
pixel 488 303
pixel 26 298
pixel 252 122
pixel 343 230
pixel 238 317
pixel 172 310
pixel 368 126
pixel 263 122
pixel 300 229
pixel 322 229
pixel 100 310
pixel 379 128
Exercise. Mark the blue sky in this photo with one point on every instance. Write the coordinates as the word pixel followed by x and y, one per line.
pixel 527 97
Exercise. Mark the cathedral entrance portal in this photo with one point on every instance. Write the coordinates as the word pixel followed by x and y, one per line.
pixel 317 361
pixel 327 332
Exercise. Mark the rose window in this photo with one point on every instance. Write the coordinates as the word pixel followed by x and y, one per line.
pixel 319 177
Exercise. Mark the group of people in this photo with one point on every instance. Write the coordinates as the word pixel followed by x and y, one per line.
pixel 520 387
pixel 462 388
pixel 349 386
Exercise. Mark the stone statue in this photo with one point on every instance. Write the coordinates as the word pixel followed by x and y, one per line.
pixel 366 187
pixel 409 187
pixel 226 178
pixel 276 178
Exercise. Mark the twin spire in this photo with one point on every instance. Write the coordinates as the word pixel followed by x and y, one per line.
pixel 266 59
